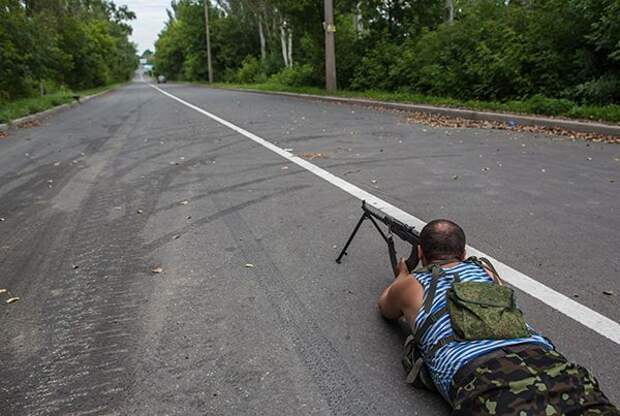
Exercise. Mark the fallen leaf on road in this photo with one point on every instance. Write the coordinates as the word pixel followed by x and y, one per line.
pixel 57 164
pixel 157 269
pixel 176 237
pixel 139 211
pixel 588 158
pixel 2 219
pixel 484 169
pixel 12 300
pixel 373 180
pixel 608 292
pixel 435 120
pixel 284 167
pixel 313 155
pixel 184 202
pixel 455 177
pixel 29 124
pixel 75 266
pixel 249 265
pixel 189 217
pixel 543 170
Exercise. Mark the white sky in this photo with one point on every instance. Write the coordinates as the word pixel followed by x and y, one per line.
pixel 150 19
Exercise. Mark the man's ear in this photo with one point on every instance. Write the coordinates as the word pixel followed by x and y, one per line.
pixel 421 255
pixel 463 255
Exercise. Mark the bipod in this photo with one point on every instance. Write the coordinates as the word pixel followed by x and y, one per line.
pixel 387 237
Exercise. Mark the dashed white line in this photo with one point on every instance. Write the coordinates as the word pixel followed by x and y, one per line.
pixel 574 310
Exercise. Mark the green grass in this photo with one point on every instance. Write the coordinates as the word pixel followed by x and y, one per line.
pixel 26 106
pixel 535 105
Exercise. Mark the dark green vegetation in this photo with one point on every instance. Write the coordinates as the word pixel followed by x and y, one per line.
pixel 49 47
pixel 25 106
pixel 555 57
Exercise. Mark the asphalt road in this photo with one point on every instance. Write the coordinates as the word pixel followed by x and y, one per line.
pixel 99 195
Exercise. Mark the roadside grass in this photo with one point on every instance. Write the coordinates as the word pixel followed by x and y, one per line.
pixel 26 106
pixel 536 105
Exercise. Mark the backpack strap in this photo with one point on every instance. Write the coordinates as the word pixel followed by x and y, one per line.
pixel 413 374
pixel 436 271
pixel 484 263
pixel 433 317
pixel 439 344
pixel 430 320
pixel 414 339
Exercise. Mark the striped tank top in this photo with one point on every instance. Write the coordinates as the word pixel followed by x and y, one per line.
pixel 454 355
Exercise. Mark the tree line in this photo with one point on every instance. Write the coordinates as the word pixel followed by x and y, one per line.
pixel 46 45
pixel 464 49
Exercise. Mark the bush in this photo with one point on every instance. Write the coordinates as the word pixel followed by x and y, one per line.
pixel 251 71
pixel 374 70
pixel 296 76
pixel 539 104
pixel 603 90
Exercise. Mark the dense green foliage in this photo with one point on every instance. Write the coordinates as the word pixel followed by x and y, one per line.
pixel 50 45
pixel 553 54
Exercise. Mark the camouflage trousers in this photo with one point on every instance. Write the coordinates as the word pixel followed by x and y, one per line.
pixel 532 381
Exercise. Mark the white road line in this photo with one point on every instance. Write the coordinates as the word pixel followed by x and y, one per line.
pixel 580 313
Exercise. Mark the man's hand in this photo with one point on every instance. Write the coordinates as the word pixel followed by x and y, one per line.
pixel 403 296
pixel 402 267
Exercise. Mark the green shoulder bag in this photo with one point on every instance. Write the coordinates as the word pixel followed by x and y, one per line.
pixel 481 310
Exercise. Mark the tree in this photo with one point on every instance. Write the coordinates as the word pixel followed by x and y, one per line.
pixel 63 43
pixel 466 49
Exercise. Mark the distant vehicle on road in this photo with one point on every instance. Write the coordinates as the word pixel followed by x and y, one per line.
pixel 161 79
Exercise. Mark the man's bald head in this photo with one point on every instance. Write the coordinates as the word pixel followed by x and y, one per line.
pixel 442 240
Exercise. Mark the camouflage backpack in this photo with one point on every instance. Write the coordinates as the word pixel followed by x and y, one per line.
pixel 477 310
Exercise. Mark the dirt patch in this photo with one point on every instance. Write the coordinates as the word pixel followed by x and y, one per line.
pixel 436 120
pixel 3 134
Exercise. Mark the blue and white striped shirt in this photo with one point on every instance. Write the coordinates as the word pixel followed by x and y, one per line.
pixel 451 357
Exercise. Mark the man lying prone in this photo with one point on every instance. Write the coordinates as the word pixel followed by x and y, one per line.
pixel 470 341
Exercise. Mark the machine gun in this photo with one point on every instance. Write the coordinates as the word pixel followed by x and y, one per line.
pixel 404 231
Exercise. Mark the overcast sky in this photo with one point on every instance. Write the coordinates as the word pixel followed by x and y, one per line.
pixel 150 18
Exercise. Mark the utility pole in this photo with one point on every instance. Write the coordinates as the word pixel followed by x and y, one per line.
pixel 330 48
pixel 209 66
